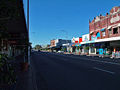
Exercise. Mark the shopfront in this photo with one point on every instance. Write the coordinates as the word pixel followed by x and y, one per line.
pixel 76 46
pixel 85 44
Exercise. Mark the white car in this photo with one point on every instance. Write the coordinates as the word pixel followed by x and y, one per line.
pixel 60 51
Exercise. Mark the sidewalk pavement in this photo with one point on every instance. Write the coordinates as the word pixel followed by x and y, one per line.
pixel 25 80
pixel 105 58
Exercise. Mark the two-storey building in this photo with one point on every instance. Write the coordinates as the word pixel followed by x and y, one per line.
pixel 105 32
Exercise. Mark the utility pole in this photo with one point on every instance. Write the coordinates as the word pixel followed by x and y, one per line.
pixel 28 31
pixel 28 17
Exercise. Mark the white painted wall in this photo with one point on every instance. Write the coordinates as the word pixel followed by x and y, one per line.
pixel 85 38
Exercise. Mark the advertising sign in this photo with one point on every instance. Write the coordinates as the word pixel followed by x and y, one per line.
pixel 85 38
pixel 75 40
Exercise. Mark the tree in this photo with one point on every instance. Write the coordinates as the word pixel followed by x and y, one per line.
pixel 38 47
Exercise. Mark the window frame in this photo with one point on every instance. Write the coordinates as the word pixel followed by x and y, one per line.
pixel 110 31
pixel 114 30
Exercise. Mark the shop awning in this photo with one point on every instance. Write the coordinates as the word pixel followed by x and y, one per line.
pixel 78 45
pixel 102 29
pixel 103 40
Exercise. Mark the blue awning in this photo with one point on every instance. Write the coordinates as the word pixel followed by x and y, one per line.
pixel 98 34
pixel 78 45
pixel 102 29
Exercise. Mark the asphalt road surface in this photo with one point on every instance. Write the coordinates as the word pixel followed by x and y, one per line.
pixel 68 72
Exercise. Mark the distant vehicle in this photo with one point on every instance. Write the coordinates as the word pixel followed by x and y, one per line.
pixel 60 51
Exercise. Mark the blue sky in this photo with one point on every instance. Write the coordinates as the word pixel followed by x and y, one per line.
pixel 52 19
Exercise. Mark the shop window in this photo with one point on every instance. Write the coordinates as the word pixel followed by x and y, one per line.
pixel 92 50
pixel 119 29
pixel 115 30
pixel 110 31
pixel 103 33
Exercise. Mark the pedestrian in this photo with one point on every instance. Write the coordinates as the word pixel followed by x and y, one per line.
pixel 113 55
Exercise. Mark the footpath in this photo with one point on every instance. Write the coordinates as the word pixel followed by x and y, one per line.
pixel 25 79
pixel 96 57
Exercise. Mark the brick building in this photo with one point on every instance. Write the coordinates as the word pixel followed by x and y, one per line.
pixel 52 43
pixel 105 32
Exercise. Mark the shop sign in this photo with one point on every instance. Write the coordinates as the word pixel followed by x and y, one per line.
pixel 80 40
pixel 93 37
pixel 85 38
pixel 75 40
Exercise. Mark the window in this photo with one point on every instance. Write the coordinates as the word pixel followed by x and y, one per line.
pixel 103 33
pixel 110 31
pixel 92 50
pixel 115 30
pixel 119 30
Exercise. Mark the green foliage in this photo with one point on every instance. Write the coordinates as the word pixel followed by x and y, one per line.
pixel 7 73
pixel 64 49
pixel 87 48
pixel 78 47
pixel 37 47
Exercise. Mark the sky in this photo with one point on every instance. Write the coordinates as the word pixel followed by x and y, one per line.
pixel 63 19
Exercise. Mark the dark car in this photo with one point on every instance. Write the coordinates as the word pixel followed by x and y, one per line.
pixel 38 50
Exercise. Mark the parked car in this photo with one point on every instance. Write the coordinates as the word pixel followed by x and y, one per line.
pixel 60 51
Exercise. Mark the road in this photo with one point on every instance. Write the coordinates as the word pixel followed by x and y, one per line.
pixel 54 71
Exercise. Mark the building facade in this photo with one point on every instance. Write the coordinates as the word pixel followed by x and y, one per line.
pixel 58 44
pixel 76 45
pixel 14 34
pixel 85 44
pixel 105 32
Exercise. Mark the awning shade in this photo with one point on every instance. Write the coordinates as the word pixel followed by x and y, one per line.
pixel 98 34
pixel 102 29
pixel 78 45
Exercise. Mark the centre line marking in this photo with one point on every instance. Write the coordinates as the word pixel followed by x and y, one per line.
pixel 104 70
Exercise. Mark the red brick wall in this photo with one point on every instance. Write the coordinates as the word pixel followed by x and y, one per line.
pixel 104 22
pixel 52 43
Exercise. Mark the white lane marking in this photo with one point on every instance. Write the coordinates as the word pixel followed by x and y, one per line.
pixel 104 70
